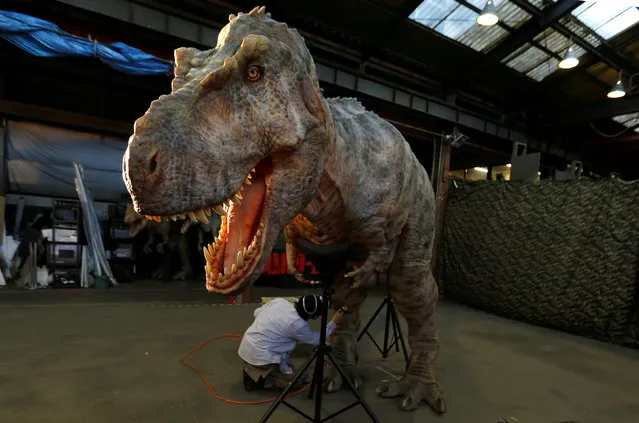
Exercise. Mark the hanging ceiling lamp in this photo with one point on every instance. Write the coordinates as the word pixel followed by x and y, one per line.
pixel 570 60
pixel 618 90
pixel 488 16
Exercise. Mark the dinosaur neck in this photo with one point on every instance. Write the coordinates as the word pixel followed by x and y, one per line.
pixel 328 202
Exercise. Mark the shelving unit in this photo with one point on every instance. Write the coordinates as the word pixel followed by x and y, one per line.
pixel 120 244
pixel 65 256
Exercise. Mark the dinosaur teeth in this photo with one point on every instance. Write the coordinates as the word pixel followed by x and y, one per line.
pixel 215 272
pixel 199 214
pixel 219 209
pixel 236 200
pixel 207 211
pixel 247 181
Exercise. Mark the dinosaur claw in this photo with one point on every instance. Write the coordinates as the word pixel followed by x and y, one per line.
pixel 389 388
pixel 353 273
pixel 331 386
pixel 407 404
pixel 413 394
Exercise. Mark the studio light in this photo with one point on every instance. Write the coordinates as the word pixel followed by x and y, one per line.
pixel 570 60
pixel 488 16
pixel 481 169
pixel 618 90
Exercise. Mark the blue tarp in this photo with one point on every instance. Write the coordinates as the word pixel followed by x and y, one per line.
pixel 45 39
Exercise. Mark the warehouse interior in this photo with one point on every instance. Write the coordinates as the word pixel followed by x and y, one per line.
pixel 524 114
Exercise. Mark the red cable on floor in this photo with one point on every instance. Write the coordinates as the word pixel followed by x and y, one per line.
pixel 234 337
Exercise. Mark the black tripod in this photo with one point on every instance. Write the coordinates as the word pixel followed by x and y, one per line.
pixel 327 261
pixel 391 319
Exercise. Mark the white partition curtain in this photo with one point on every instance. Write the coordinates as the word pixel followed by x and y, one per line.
pixel 40 161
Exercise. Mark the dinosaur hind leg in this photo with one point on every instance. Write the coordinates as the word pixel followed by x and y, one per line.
pixel 415 293
pixel 344 343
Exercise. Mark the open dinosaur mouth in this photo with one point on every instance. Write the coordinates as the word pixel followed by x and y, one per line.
pixel 236 250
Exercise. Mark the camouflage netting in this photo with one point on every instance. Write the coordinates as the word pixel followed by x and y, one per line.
pixel 563 255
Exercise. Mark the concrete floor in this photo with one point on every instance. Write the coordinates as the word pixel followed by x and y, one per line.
pixel 109 357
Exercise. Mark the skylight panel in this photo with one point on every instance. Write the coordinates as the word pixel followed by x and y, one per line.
pixel 607 18
pixel 541 71
pixel 431 12
pixel 457 23
pixel 581 31
pixel 483 38
pixel 628 120
pixel 623 21
pixel 528 59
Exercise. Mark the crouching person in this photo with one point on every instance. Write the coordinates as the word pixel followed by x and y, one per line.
pixel 267 344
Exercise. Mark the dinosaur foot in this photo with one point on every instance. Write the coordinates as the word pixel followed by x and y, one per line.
pixel 180 276
pixel 333 380
pixel 413 393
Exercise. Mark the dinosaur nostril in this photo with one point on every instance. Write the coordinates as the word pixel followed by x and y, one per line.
pixel 154 163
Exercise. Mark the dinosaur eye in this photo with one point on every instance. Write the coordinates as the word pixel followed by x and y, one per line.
pixel 253 73
pixel 154 163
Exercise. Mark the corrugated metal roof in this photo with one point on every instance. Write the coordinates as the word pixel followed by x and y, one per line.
pixel 528 59
pixel 628 120
pixel 580 30
pixel 458 22
pixel 483 38
pixel 541 71
pixel 511 15
pixel 557 43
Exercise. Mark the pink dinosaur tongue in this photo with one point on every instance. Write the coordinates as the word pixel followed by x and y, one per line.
pixel 243 220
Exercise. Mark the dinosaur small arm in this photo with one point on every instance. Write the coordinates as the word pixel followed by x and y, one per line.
pixel 246 133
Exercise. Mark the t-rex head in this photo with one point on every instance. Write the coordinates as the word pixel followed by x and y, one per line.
pixel 244 132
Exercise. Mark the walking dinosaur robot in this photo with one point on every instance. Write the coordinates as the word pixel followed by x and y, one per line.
pixel 246 133
pixel 172 239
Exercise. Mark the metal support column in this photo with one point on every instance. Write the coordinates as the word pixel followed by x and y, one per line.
pixel 442 165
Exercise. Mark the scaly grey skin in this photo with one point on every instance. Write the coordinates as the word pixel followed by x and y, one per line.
pixel 246 132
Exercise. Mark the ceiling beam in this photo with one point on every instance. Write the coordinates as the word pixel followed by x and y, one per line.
pixel 13 109
pixel 602 109
pixel 603 52
pixel 385 35
pixel 516 39
pixel 607 142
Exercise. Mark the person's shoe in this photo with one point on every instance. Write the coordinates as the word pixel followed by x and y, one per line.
pixel 249 383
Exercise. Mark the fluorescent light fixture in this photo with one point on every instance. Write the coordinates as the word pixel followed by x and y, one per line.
pixel 570 60
pixel 509 165
pixel 618 90
pixel 481 169
pixel 488 16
